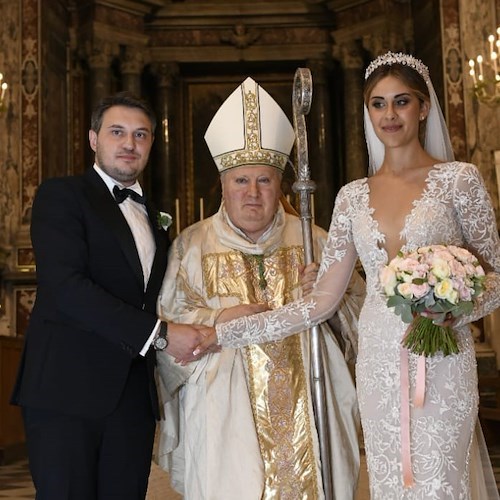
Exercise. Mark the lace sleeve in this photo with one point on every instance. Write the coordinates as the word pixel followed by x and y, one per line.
pixel 475 211
pixel 337 263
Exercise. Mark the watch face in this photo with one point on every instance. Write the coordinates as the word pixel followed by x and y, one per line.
pixel 160 343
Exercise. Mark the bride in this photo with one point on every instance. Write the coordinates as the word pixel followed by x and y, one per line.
pixel 416 195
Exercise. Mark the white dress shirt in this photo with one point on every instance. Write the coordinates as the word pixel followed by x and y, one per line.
pixel 137 218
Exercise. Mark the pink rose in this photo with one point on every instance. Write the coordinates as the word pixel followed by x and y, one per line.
pixel 420 291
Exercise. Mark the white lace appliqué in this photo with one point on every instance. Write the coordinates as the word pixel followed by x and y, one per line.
pixel 454 209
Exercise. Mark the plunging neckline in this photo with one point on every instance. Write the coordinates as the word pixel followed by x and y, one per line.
pixel 382 237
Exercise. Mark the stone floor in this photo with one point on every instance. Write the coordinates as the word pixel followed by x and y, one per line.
pixel 15 481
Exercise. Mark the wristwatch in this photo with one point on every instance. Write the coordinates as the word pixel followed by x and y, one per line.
pixel 160 342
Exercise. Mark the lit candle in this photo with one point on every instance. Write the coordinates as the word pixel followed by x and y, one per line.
pixel 4 88
pixel 472 72
pixel 493 54
pixel 491 39
pixel 497 50
pixel 480 62
pixel 201 209
pixel 177 216
pixel 494 57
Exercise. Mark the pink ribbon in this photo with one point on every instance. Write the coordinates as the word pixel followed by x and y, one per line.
pixel 408 480
pixel 420 388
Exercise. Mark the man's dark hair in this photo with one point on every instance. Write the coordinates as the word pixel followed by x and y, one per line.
pixel 121 99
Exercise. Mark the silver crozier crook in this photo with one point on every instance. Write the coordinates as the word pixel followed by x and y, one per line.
pixel 304 186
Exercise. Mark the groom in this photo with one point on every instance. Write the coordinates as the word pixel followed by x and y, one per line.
pixel 86 382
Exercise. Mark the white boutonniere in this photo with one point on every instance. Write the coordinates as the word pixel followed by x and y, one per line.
pixel 164 220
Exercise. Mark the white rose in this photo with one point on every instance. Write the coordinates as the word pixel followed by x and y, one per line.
pixel 388 280
pixel 405 289
pixel 440 268
pixel 444 290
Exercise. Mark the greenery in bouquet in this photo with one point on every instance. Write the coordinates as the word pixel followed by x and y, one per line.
pixel 427 287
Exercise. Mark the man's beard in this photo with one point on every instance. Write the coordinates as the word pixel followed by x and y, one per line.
pixel 115 172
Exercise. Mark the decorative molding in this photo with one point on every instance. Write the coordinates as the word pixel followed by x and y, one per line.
pixel 194 14
pixel 136 7
pixel 20 291
pixel 25 259
pixel 119 34
pixel 453 81
pixel 101 53
pixel 167 73
pixel 349 54
pixel 30 107
pixel 241 36
pixel 380 42
pixel 297 43
pixel 133 61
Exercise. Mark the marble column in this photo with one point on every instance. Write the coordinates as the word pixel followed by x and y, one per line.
pixel 321 143
pixel 100 70
pixel 356 159
pixel 164 185
pixel 131 66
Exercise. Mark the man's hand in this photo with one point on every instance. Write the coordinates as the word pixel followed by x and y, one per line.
pixel 209 342
pixel 308 275
pixel 182 339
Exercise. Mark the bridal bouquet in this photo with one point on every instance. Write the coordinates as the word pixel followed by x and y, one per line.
pixel 439 281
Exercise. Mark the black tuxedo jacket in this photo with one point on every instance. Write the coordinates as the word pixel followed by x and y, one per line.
pixel 91 316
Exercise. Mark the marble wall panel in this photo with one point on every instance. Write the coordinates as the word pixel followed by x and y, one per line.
pixel 10 40
pixel 479 18
pixel 453 73
pixel 30 106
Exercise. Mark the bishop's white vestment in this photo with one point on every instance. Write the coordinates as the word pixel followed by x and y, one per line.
pixel 239 424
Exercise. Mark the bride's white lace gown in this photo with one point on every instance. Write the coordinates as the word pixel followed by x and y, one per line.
pixel 453 209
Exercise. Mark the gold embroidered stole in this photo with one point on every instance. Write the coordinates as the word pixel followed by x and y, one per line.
pixel 276 374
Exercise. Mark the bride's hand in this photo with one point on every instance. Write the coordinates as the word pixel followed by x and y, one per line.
pixel 210 341
pixel 437 318
pixel 308 275
pixel 207 344
pixel 205 332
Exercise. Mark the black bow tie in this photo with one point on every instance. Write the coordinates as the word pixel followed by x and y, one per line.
pixel 122 194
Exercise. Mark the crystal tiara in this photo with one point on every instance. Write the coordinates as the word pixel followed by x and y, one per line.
pixel 398 58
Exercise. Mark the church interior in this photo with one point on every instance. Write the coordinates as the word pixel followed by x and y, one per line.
pixel 58 58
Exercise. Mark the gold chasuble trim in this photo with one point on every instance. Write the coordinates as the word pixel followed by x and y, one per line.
pixel 276 374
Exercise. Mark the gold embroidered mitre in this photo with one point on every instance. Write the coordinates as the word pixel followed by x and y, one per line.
pixel 250 129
